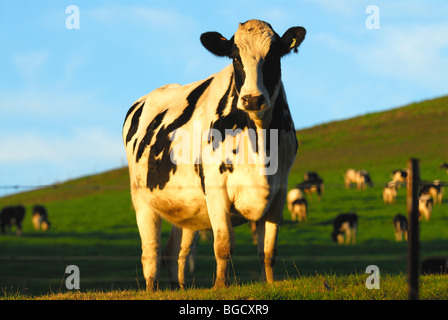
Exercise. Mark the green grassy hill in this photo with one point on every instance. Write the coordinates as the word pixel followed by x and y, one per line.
pixel 379 142
pixel 93 222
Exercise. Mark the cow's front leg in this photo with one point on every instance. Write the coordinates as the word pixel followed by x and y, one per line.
pixel 224 241
pixel 267 248
pixel 176 254
pixel 267 236
pixel 149 224
pixel 223 234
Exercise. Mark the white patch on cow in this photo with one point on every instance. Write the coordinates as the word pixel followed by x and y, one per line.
pixel 254 39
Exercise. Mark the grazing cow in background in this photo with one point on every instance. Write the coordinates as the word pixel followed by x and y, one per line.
pixel 297 205
pixel 299 210
pixel 400 177
pixel 40 218
pixel 345 225
pixel 400 227
pixel 12 215
pixel 293 195
pixel 390 193
pixel 312 183
pixel 434 189
pixel 444 166
pixel 201 184
pixel 314 178
pixel 425 204
pixel 435 265
pixel 360 177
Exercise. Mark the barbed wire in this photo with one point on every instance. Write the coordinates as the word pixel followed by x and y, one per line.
pixel 62 186
pixel 211 257
pixel 127 186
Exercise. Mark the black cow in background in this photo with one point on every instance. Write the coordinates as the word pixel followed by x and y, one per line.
pixel 345 226
pixel 400 227
pixel 12 215
pixel 444 166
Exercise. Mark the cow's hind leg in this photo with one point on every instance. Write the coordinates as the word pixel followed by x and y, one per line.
pixel 149 225
pixel 176 254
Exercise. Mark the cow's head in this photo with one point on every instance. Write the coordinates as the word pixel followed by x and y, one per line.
pixel 256 50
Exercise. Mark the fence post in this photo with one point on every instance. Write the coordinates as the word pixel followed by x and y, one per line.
pixel 413 236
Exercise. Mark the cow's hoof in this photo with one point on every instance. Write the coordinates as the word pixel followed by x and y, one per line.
pixel 151 286
pixel 221 284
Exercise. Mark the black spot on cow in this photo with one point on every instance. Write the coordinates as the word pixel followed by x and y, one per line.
pixel 225 167
pixel 199 169
pixel 149 134
pixel 224 100
pixel 239 72
pixel 281 118
pixel 131 110
pixel 159 163
pixel 272 69
pixel 234 120
pixel 134 123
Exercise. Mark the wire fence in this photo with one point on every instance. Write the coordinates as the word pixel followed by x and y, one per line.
pixel 354 257
pixel 127 186
pixel 201 278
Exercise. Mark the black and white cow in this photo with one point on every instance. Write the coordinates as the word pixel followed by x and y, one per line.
pixel 360 177
pixel 400 227
pixel 425 204
pixel 297 205
pixel 299 210
pixel 345 225
pixel 215 153
pixel 12 215
pixel 312 183
pixel 434 189
pixel 390 193
pixel 400 177
pixel 444 166
pixel 40 218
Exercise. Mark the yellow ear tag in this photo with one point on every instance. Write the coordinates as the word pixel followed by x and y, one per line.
pixel 293 43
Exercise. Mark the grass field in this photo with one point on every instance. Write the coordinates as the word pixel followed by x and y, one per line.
pixel 94 227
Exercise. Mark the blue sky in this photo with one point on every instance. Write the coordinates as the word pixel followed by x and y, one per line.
pixel 64 92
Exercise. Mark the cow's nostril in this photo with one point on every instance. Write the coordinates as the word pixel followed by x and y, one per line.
pixel 251 102
pixel 260 101
pixel 245 100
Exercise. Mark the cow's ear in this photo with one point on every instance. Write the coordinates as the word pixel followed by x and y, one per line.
pixel 217 44
pixel 292 38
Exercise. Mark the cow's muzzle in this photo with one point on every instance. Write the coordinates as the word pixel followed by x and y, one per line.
pixel 253 102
